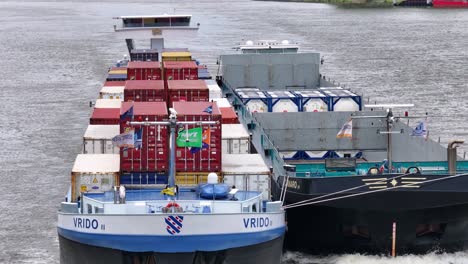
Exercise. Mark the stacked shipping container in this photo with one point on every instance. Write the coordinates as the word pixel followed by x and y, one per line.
pixel 105 116
pixel 143 70
pixel 189 91
pixel 180 70
pixel 144 91
pixel 152 156
pixel 206 159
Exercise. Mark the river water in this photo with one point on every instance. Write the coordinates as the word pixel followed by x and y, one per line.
pixel 54 57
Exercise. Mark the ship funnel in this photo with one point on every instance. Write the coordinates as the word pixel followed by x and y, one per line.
pixel 452 155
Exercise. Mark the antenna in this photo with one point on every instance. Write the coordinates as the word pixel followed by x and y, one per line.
pixel 390 120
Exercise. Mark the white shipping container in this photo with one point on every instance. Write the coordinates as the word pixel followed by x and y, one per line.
pixel 235 139
pixel 112 92
pixel 94 173
pixel 108 103
pixel 215 90
pixel 247 172
pixel 221 102
pixel 98 139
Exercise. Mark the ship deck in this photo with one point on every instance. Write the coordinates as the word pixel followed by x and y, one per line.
pixel 156 195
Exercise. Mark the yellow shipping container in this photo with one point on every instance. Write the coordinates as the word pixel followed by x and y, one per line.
pixel 193 178
pixel 118 72
pixel 176 56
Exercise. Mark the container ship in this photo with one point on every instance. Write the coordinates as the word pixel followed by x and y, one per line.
pixel 166 174
pixel 352 177
pixel 450 3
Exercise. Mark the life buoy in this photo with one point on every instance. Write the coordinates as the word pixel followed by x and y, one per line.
pixel 410 169
pixel 174 204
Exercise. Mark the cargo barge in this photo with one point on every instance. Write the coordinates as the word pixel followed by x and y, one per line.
pixel 166 176
pixel 350 177
pixel 450 3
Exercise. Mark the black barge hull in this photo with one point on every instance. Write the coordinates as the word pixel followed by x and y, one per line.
pixel 430 217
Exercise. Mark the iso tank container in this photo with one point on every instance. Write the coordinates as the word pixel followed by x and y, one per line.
pixel 215 90
pixel 188 91
pixel 144 91
pixel 247 172
pixel 207 158
pixel 112 92
pixel 255 100
pixel 144 55
pixel 342 99
pixel 180 70
pixel 105 116
pixel 312 101
pixel 236 139
pixel 283 101
pixel 143 70
pixel 228 115
pixel 94 173
pixel 98 139
pixel 107 103
pixel 153 154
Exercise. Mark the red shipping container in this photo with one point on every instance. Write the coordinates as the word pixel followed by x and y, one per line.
pixel 188 91
pixel 105 116
pixel 114 83
pixel 153 155
pixel 143 70
pixel 144 91
pixel 208 158
pixel 180 70
pixel 228 115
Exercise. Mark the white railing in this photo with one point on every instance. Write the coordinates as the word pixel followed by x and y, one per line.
pixel 92 206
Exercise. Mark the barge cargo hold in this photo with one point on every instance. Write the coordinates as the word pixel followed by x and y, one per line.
pixel 345 195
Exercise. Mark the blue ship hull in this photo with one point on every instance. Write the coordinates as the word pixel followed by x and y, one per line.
pixel 72 252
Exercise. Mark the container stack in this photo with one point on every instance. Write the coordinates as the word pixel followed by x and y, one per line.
pixel 117 74
pixel 144 70
pixel 148 158
pixel 235 139
pixel 187 90
pixel 144 55
pixel 94 173
pixel 105 116
pixel 176 55
pixel 144 91
pixel 98 139
pixel 247 172
pixel 180 70
pixel 207 158
pixel 112 92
